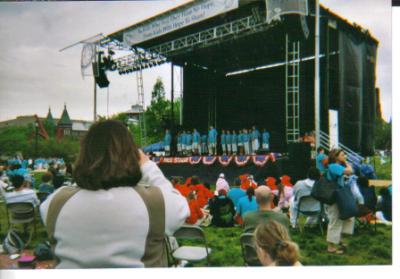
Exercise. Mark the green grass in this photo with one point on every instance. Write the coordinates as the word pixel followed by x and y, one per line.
pixel 365 247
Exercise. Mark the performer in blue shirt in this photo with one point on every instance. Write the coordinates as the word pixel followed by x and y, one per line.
pixel 234 143
pixel 203 144
pixel 196 142
pixel 228 142
pixel 189 141
pixel 179 143
pixel 240 142
pixel 255 142
pixel 265 140
pixel 183 136
pixel 212 141
pixel 223 142
pixel 246 142
pixel 167 142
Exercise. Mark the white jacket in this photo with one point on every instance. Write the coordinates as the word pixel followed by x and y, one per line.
pixel 108 228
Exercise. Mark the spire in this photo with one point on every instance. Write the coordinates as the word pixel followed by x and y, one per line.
pixel 49 118
pixel 65 120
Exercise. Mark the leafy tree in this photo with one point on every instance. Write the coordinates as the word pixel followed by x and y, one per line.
pixel 158 92
pixel 383 134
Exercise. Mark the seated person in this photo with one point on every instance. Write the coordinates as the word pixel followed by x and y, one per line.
pixel 249 182
pixel 46 186
pixel 284 196
pixel 235 193
pixel 274 246
pixel 21 193
pixel 384 205
pixel 222 210
pixel 246 204
pixel 196 214
pixel 368 192
pixel 58 181
pixel 203 193
pixel 301 189
pixel 264 214
pixel 222 184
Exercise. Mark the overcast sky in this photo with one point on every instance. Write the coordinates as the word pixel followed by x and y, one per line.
pixel 35 75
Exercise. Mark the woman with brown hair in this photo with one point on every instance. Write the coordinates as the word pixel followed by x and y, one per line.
pixel 274 247
pixel 120 211
pixel 338 167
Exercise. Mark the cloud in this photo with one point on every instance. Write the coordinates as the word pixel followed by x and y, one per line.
pixel 35 75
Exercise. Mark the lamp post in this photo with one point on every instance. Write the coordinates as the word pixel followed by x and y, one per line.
pixel 36 139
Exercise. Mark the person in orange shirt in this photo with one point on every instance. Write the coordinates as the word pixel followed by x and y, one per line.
pixel 249 182
pixel 182 188
pixel 196 214
pixel 203 193
pixel 286 181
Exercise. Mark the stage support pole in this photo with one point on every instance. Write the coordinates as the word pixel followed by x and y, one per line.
pixel 316 76
pixel 95 101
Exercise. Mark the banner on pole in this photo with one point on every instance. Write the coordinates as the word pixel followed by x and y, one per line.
pixel 277 8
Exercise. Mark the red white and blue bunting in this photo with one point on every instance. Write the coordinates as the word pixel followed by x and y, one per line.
pixel 242 160
pixel 194 160
pixel 209 160
pixel 260 160
pixel 225 160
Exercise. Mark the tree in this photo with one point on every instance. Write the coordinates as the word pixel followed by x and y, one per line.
pixel 383 134
pixel 158 92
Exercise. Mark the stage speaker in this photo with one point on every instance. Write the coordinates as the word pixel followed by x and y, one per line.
pixel 300 153
pixel 100 75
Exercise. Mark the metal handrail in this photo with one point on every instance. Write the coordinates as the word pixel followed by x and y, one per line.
pixel 325 139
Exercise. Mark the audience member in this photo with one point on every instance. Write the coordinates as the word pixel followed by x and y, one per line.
pixel 321 160
pixel 196 215
pixel 246 204
pixel 301 189
pixel 235 193
pixel 222 210
pixel 46 185
pixel 274 247
pixel 265 213
pixel 21 192
pixel 384 205
pixel 93 226
pixel 222 184
pixel 338 167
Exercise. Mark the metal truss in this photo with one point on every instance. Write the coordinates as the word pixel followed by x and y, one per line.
pixel 236 28
pixel 146 58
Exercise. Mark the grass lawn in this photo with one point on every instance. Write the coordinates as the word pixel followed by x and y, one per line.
pixel 365 247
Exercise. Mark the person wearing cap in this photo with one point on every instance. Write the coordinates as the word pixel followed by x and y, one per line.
pixel 264 214
pixel 222 183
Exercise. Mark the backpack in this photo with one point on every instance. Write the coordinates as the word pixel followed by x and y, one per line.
pixel 324 191
pixel 13 243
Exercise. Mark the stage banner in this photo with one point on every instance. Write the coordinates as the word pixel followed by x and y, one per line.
pixel 277 8
pixel 175 160
pixel 225 160
pixel 194 12
pixel 209 160
pixel 194 160
pixel 242 160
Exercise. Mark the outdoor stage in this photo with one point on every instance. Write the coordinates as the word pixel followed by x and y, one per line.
pixel 246 63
